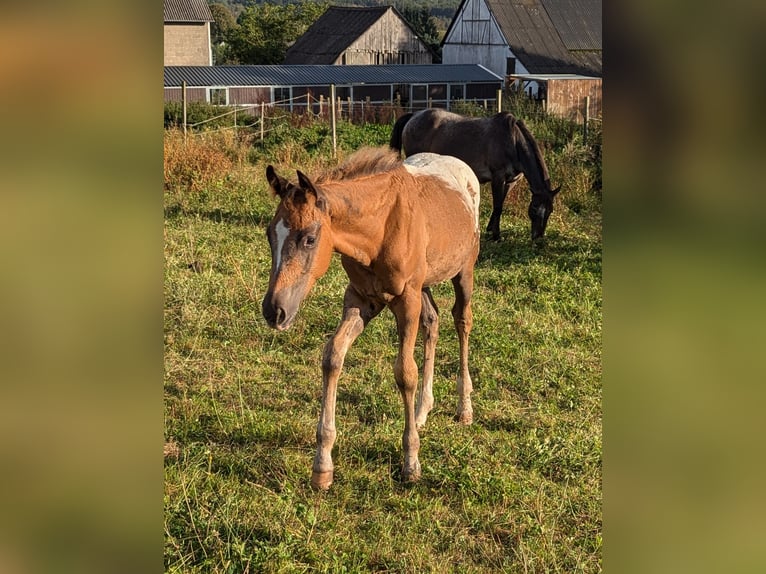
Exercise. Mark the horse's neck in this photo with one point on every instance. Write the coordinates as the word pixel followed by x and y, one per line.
pixel 359 210
pixel 531 163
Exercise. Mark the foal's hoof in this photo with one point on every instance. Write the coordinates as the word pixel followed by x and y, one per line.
pixel 464 418
pixel 321 480
pixel 411 474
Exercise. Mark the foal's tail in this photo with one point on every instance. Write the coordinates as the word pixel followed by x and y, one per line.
pixel 396 134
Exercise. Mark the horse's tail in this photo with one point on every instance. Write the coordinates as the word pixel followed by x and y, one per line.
pixel 396 134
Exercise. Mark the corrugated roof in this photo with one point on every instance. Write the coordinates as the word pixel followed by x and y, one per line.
pixel 550 36
pixel 326 74
pixel 187 11
pixel 578 22
pixel 332 33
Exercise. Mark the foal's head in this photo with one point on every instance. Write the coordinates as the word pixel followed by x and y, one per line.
pixel 540 209
pixel 301 247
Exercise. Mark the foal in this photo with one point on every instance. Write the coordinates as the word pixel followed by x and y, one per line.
pixel 400 227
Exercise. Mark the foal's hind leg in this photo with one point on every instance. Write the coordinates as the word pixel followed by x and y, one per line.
pixel 463 316
pixel 429 329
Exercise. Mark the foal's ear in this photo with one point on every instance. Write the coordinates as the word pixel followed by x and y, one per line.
pixel 555 191
pixel 308 187
pixel 278 184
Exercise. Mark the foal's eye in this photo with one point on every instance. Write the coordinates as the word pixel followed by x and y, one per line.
pixel 309 241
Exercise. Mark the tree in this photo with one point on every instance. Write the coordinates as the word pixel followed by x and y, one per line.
pixel 424 25
pixel 221 30
pixel 265 31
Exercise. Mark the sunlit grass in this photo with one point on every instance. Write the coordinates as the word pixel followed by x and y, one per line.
pixel 517 491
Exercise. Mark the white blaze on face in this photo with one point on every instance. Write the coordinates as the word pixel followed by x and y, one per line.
pixel 282 231
pixel 455 172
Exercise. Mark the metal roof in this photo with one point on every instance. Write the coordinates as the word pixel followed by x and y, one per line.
pixel 578 22
pixel 545 77
pixel 335 30
pixel 326 74
pixel 187 11
pixel 549 36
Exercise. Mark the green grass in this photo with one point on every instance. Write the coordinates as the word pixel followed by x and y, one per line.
pixel 517 491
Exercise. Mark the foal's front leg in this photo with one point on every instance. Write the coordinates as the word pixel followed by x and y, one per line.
pixel 357 312
pixel 406 309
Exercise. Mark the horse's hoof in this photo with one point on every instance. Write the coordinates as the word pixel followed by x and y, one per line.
pixel 465 418
pixel 321 480
pixel 411 474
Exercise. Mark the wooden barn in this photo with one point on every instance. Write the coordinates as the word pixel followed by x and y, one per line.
pixel 360 36
pixel 565 95
pixel 413 86
pixel 187 33
pixel 543 38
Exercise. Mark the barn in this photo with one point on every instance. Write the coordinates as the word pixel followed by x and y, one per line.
pixel 359 36
pixel 187 33
pixel 414 86
pixel 567 95
pixel 531 40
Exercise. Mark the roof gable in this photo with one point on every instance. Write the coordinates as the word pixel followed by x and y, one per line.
pixel 187 11
pixel 334 32
pixel 549 36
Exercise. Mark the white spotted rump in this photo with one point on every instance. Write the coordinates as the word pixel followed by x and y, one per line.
pixel 455 172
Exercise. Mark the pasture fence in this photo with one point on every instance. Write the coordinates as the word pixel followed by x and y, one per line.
pixel 264 118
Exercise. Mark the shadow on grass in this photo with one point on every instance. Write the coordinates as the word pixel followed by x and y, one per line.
pixel 558 250
pixel 260 219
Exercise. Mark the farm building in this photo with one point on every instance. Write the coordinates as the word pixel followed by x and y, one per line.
pixel 565 95
pixel 530 38
pixel 359 36
pixel 414 86
pixel 187 33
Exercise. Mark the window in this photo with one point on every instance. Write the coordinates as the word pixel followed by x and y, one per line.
pixel 281 95
pixel 420 92
pixel 457 92
pixel 219 96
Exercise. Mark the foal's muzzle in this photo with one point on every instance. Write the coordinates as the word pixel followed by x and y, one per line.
pixel 280 309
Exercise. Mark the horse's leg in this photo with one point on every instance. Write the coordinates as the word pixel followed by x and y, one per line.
pixel 429 329
pixel 357 312
pixel 499 191
pixel 463 316
pixel 406 309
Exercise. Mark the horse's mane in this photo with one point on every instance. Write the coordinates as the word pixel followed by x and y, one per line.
pixel 366 161
pixel 531 142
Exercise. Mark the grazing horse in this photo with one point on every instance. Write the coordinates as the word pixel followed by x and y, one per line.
pixel 400 226
pixel 499 149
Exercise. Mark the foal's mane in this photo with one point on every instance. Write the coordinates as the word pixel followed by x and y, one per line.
pixel 366 161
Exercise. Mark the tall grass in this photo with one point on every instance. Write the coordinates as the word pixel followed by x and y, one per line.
pixel 517 491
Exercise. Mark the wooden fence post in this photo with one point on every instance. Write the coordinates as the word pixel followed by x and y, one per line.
pixel 183 105
pixel 332 118
pixel 499 101
pixel 587 119
pixel 263 118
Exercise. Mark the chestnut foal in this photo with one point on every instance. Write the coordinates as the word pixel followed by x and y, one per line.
pixel 400 227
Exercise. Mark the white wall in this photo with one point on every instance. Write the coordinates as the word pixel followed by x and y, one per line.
pixel 475 38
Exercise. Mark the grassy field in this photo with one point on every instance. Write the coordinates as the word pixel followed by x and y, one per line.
pixel 517 491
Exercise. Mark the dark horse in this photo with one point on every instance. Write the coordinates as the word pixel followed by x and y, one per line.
pixel 499 149
pixel 400 227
